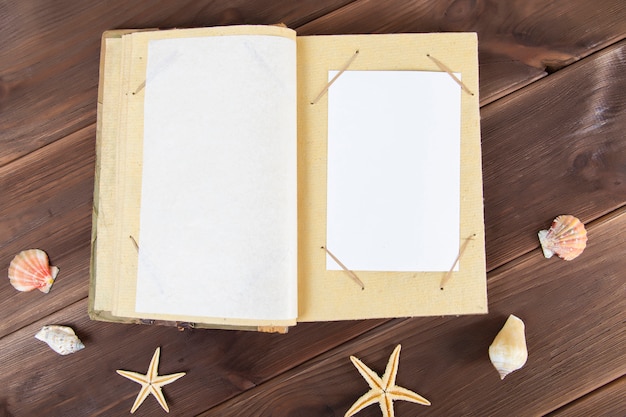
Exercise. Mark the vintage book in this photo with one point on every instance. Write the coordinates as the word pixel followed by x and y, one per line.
pixel 249 178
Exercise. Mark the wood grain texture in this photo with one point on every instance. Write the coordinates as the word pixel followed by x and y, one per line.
pixel 571 348
pixel 49 55
pixel 52 49
pixel 604 401
pixel 47 204
pixel 518 42
pixel 219 364
pixel 556 147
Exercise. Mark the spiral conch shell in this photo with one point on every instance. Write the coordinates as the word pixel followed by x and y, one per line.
pixel 61 339
pixel 508 351
pixel 31 269
pixel 567 238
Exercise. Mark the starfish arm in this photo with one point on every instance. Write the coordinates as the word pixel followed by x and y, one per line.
pixel 158 394
pixel 400 393
pixel 389 377
pixel 370 376
pixel 134 376
pixel 166 379
pixel 386 406
pixel 143 394
pixel 140 379
pixel 154 365
pixel 367 399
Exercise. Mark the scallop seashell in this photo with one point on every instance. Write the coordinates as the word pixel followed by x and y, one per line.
pixel 61 339
pixel 508 351
pixel 31 269
pixel 567 238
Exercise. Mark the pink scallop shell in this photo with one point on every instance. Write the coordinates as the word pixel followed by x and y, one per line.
pixel 31 269
pixel 567 238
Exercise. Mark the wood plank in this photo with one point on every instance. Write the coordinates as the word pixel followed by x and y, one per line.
pixel 219 364
pixel 574 328
pixel 517 43
pixel 592 170
pixel 574 349
pixel 49 55
pixel 585 147
pixel 36 56
pixel 556 147
pixel 47 203
pixel 603 401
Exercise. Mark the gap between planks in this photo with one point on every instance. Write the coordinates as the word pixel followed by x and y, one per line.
pixel 356 4
pixel 484 102
pixel 511 263
pixel 43 318
pixel 390 325
pixel 621 210
pixel 610 389
pixel 525 256
pixel 69 135
pixel 487 101
pixel 549 72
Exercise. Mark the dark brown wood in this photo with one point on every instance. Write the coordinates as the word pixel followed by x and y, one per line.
pixel 513 51
pixel 219 364
pixel 556 147
pixel 603 401
pixel 49 55
pixel 553 145
pixel 517 43
pixel 47 204
pixel 574 331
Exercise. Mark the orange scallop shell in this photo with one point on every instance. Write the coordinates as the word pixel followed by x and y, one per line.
pixel 31 269
pixel 567 238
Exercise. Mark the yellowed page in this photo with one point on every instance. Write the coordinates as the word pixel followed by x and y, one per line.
pixel 105 192
pixel 332 295
pixel 130 168
pixel 123 180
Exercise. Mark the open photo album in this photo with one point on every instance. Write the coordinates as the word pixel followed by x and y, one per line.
pixel 249 178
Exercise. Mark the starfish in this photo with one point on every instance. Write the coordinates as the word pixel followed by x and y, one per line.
pixel 151 382
pixel 383 390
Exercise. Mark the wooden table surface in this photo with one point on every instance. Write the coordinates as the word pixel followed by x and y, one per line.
pixel 553 106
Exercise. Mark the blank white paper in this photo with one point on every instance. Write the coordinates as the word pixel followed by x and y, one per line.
pixel 393 170
pixel 218 205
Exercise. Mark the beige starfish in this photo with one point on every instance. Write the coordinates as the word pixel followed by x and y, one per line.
pixel 151 382
pixel 384 391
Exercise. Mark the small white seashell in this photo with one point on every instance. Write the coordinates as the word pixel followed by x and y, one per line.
pixel 61 339
pixel 508 351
